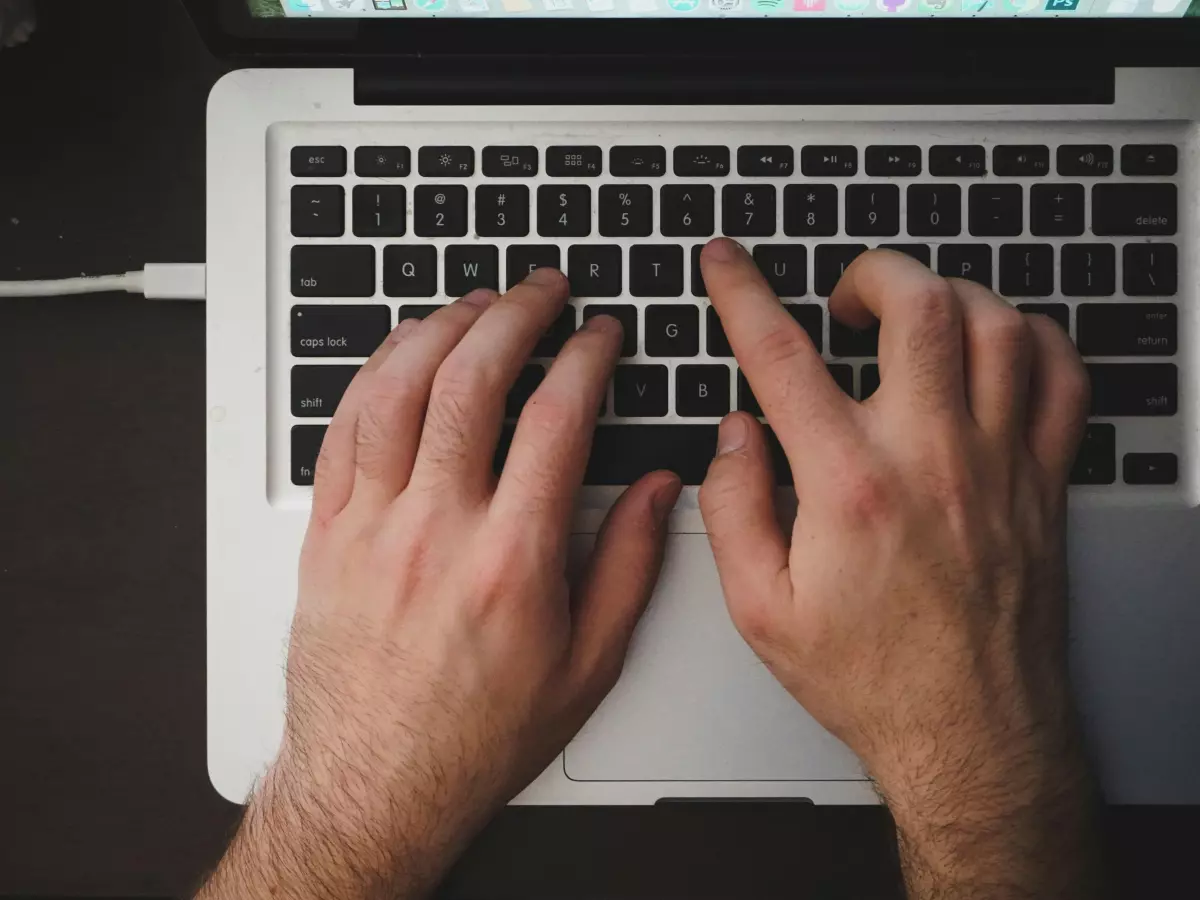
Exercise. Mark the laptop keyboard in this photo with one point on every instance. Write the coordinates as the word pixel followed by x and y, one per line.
pixel 1082 232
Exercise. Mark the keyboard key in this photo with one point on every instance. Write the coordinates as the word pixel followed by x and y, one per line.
pixel 1134 389
pixel 919 252
pixel 699 289
pixel 717 342
pixel 1149 159
pixel 700 161
pixel 420 311
pixel 380 211
pixel 1151 270
pixel 640 391
pixel 766 161
pixel 1150 468
pixel 626 210
pixel 934 210
pixel 746 400
pixel 656 270
pixel 528 381
pixel 318 162
pixel 1026 270
pixel 1089 270
pixel 810 317
pixel 872 210
pixel 333 270
pixel 440 210
pixel 470 266
pixel 1096 462
pixel 557 334
pixel 843 376
pixel 594 270
pixel 637 162
pixel 958 160
pixel 510 162
pixel 748 210
pixel 348 331
pixel 621 454
pixel 701 391
pixel 382 162
pixel 446 162
pixel 574 162
pixel 626 314
pixel 1085 159
pixel 306 444
pixel 970 261
pixel 1056 210
pixel 895 162
pixel 1059 312
pixel 785 266
pixel 1021 160
pixel 672 330
pixel 502 210
pixel 841 161
pixel 318 210
pixel 1126 329
pixel 995 210
pixel 810 210
pixel 830 262
pixel 317 390
pixel 686 210
pixel 847 341
pixel 410 270
pixel 868 380
pixel 1134 209
pixel 564 210
pixel 521 259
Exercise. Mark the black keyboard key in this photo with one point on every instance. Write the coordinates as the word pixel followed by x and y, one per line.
pixel 318 210
pixel 686 210
pixel 564 210
pixel 1026 270
pixel 1134 389
pixel 637 162
pixel 420 311
pixel 306 444
pixel 934 210
pixel 349 331
pixel 557 334
pixel 995 210
pixel 446 162
pixel 410 270
pixel 626 210
pixel 1021 160
pixel 333 270
pixel 829 264
pixel 510 162
pixel 1149 159
pixel 1150 468
pixel 1126 329
pixel 699 288
pixel 382 162
pixel 852 342
pixel 970 261
pixel 894 162
pixel 957 160
pixel 502 210
pixel 1056 210
pixel 702 391
pixel 840 161
pixel 594 270
pixel 1151 270
pixel 318 162
pixel 626 314
pixel 766 161
pixel 785 266
pixel 746 400
pixel 317 390
pixel 810 210
pixel 1089 270
pixel 656 270
pixel 528 381
pixel 574 162
pixel 872 210
pixel 1096 462
pixel 521 259
pixel 868 381
pixel 810 317
pixel 1134 209
pixel 621 454
pixel 640 391
pixel 700 161
pixel 1059 312
pixel 380 211
pixel 748 210
pixel 843 376
pixel 717 342
pixel 672 330
pixel 919 252
pixel 1085 159
pixel 470 266
pixel 440 210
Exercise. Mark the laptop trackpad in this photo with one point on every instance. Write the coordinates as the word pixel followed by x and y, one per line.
pixel 695 703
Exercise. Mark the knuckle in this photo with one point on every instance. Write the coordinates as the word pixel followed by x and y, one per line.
pixel 755 619
pixel 937 306
pixel 372 439
pixel 779 347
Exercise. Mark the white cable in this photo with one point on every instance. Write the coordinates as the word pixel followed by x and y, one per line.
pixel 157 281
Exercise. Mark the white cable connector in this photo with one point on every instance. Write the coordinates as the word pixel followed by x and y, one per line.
pixel 157 281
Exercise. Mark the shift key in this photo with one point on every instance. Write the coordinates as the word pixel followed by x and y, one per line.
pixel 349 331
pixel 1134 389
pixel 1134 209
pixel 333 270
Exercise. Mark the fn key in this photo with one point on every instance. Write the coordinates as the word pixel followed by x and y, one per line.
pixel 306 444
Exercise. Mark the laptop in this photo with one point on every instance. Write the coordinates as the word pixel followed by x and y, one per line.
pixel 375 159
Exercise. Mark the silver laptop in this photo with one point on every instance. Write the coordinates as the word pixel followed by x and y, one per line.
pixel 382 157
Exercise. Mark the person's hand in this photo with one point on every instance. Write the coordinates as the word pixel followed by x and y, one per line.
pixel 917 609
pixel 440 657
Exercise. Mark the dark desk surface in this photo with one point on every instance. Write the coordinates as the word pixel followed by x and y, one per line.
pixel 103 784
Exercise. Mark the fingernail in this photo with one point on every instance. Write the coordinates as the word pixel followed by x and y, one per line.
pixel 665 498
pixel 402 328
pixel 544 276
pixel 480 297
pixel 731 435
pixel 724 250
pixel 602 323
